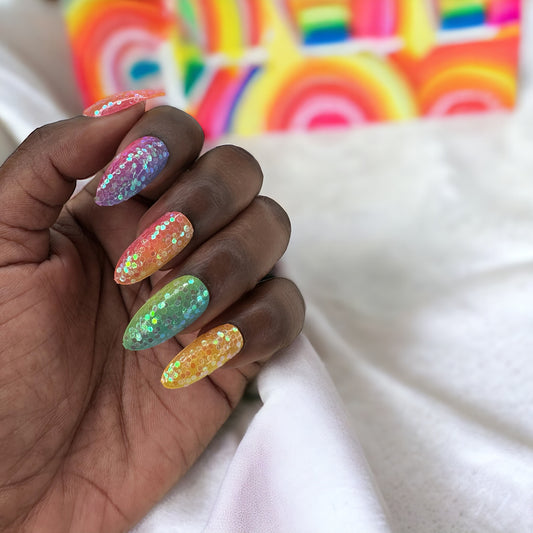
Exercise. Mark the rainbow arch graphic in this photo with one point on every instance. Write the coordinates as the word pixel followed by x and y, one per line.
pixel 248 66
pixel 466 78
pixel 115 43
pixel 323 93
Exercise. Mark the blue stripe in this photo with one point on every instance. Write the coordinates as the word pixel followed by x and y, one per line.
pixel 326 35
pixel 228 126
pixel 464 20
pixel 143 69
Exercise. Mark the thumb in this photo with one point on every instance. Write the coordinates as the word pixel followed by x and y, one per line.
pixel 40 176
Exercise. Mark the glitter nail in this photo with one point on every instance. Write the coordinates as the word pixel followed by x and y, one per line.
pixel 120 101
pixel 203 356
pixel 185 299
pixel 154 247
pixel 132 170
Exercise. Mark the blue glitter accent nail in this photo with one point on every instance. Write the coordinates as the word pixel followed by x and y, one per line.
pixel 132 170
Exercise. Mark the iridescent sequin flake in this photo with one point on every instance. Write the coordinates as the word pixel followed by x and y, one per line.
pixel 132 170
pixel 203 356
pixel 177 305
pixel 154 247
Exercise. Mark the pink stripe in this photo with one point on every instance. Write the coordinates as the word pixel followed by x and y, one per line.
pixel 376 18
pixel 503 11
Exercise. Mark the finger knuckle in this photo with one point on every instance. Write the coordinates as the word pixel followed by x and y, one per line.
pixel 194 128
pixel 296 299
pixel 179 117
pixel 294 302
pixel 212 195
pixel 230 156
pixel 221 263
pixel 274 211
pixel 41 135
pixel 284 311
pixel 38 149
pixel 232 252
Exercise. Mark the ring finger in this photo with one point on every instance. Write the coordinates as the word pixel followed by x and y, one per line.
pixel 266 320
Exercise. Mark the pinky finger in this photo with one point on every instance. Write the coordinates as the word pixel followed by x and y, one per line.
pixel 263 322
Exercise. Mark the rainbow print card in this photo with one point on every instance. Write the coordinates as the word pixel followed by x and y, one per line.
pixel 250 66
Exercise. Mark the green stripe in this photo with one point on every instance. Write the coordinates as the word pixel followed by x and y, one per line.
pixel 324 17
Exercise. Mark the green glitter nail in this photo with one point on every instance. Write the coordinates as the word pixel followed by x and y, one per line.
pixel 185 299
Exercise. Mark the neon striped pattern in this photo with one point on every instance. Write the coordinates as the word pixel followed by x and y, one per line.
pixel 249 66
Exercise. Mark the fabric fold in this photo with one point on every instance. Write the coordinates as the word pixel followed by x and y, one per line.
pixel 298 467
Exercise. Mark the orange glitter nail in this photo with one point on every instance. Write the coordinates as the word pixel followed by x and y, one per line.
pixel 203 356
pixel 154 247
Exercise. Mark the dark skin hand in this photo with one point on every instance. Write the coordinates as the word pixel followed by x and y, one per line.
pixel 90 439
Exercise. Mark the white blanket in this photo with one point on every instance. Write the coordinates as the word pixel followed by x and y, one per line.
pixel 413 245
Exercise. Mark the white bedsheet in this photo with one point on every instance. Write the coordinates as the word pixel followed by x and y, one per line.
pixel 413 245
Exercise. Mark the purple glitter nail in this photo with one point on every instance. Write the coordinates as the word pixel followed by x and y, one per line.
pixel 132 170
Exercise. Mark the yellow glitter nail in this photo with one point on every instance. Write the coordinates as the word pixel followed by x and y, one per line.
pixel 203 356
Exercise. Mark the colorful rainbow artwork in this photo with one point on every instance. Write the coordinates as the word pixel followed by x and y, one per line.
pixel 462 13
pixel 250 66
pixel 116 45
pixel 227 27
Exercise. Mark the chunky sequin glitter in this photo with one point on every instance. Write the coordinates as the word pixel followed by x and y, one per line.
pixel 169 311
pixel 203 356
pixel 154 247
pixel 120 101
pixel 132 170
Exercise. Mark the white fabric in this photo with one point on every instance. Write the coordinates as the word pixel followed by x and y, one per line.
pixel 413 245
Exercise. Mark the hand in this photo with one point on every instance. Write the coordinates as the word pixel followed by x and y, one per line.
pixel 90 440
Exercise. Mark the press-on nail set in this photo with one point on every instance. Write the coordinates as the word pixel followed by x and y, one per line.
pixel 182 301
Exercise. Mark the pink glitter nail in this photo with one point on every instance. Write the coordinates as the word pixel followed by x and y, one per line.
pixel 120 101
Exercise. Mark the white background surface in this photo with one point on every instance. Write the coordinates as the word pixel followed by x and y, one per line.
pixel 413 245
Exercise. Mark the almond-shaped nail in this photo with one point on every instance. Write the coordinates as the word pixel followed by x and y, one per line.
pixel 203 356
pixel 120 101
pixel 132 170
pixel 153 248
pixel 176 306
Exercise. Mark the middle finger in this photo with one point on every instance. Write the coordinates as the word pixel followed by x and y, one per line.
pixel 206 198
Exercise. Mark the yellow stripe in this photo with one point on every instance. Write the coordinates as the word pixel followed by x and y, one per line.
pixel 504 82
pixel 230 28
pixel 417 27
